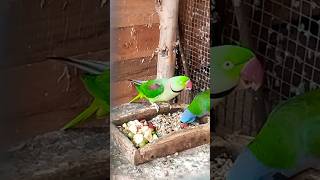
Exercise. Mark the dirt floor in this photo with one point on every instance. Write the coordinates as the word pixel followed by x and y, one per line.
pixel 190 164
pixel 74 155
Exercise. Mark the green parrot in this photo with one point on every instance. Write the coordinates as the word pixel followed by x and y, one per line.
pixel 199 107
pixel 233 66
pixel 96 79
pixel 287 144
pixel 160 90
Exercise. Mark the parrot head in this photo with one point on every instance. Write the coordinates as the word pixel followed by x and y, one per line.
pixel 233 66
pixel 251 75
pixel 179 83
pixel 187 116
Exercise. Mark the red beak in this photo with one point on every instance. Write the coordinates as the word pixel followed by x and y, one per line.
pixel 189 85
pixel 252 74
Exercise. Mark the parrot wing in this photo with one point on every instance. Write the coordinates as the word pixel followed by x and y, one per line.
pixel 200 105
pixel 151 88
pixel 291 131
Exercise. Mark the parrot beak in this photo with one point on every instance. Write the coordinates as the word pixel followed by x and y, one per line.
pixel 189 85
pixel 252 75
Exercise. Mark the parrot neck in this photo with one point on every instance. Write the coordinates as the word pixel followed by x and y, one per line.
pixel 175 90
pixel 222 94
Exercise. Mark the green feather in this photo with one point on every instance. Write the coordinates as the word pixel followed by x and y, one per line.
pixel 147 88
pixel 200 105
pixel 291 131
pixel 158 90
pixel 82 116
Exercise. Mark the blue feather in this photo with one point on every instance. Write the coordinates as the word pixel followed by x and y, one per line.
pixel 187 117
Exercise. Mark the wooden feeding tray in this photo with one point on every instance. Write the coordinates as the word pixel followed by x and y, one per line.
pixel 171 143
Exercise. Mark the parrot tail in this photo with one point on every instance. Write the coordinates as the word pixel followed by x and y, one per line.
pixel 82 116
pixel 92 67
pixel 139 96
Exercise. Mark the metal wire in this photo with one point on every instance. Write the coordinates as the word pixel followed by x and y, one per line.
pixel 286 35
pixel 194 24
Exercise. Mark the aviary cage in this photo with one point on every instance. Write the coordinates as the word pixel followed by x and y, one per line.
pixel 192 52
pixel 285 36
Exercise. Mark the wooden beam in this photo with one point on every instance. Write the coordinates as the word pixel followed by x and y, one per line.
pixel 168 11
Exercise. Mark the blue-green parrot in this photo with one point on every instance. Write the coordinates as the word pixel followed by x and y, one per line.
pixel 232 67
pixel 199 107
pixel 288 143
pixel 96 79
pixel 161 90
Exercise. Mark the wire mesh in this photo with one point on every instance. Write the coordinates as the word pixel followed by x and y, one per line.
pixel 194 25
pixel 286 35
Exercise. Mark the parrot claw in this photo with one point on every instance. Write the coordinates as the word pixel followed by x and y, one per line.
pixel 65 73
pixel 156 106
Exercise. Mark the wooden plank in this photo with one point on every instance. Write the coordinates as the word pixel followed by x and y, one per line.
pixel 140 111
pixel 231 99
pixel 135 12
pixel 62 28
pixel 175 142
pixel 127 147
pixel 135 68
pixel 239 110
pixel 136 42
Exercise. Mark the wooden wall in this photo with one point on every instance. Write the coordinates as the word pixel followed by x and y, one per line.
pixel 137 35
pixel 36 100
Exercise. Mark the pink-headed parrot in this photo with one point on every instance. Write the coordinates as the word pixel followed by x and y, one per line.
pixel 199 107
pixel 96 79
pixel 288 143
pixel 161 90
pixel 233 66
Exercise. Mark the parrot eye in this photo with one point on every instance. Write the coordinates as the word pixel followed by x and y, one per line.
pixel 228 65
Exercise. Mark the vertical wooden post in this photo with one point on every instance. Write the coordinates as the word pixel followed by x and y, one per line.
pixel 168 11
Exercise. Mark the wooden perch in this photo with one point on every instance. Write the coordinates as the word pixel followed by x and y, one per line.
pixel 74 154
pixel 168 14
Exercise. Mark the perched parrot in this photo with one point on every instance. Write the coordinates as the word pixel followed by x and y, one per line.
pixel 199 107
pixel 159 90
pixel 233 66
pixel 96 79
pixel 288 143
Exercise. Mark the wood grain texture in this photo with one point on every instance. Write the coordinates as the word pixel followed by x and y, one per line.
pixel 62 28
pixel 136 41
pixel 136 36
pixel 135 12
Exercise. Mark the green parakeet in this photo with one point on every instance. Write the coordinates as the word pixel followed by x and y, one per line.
pixel 232 66
pixel 288 143
pixel 199 107
pixel 159 90
pixel 96 79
